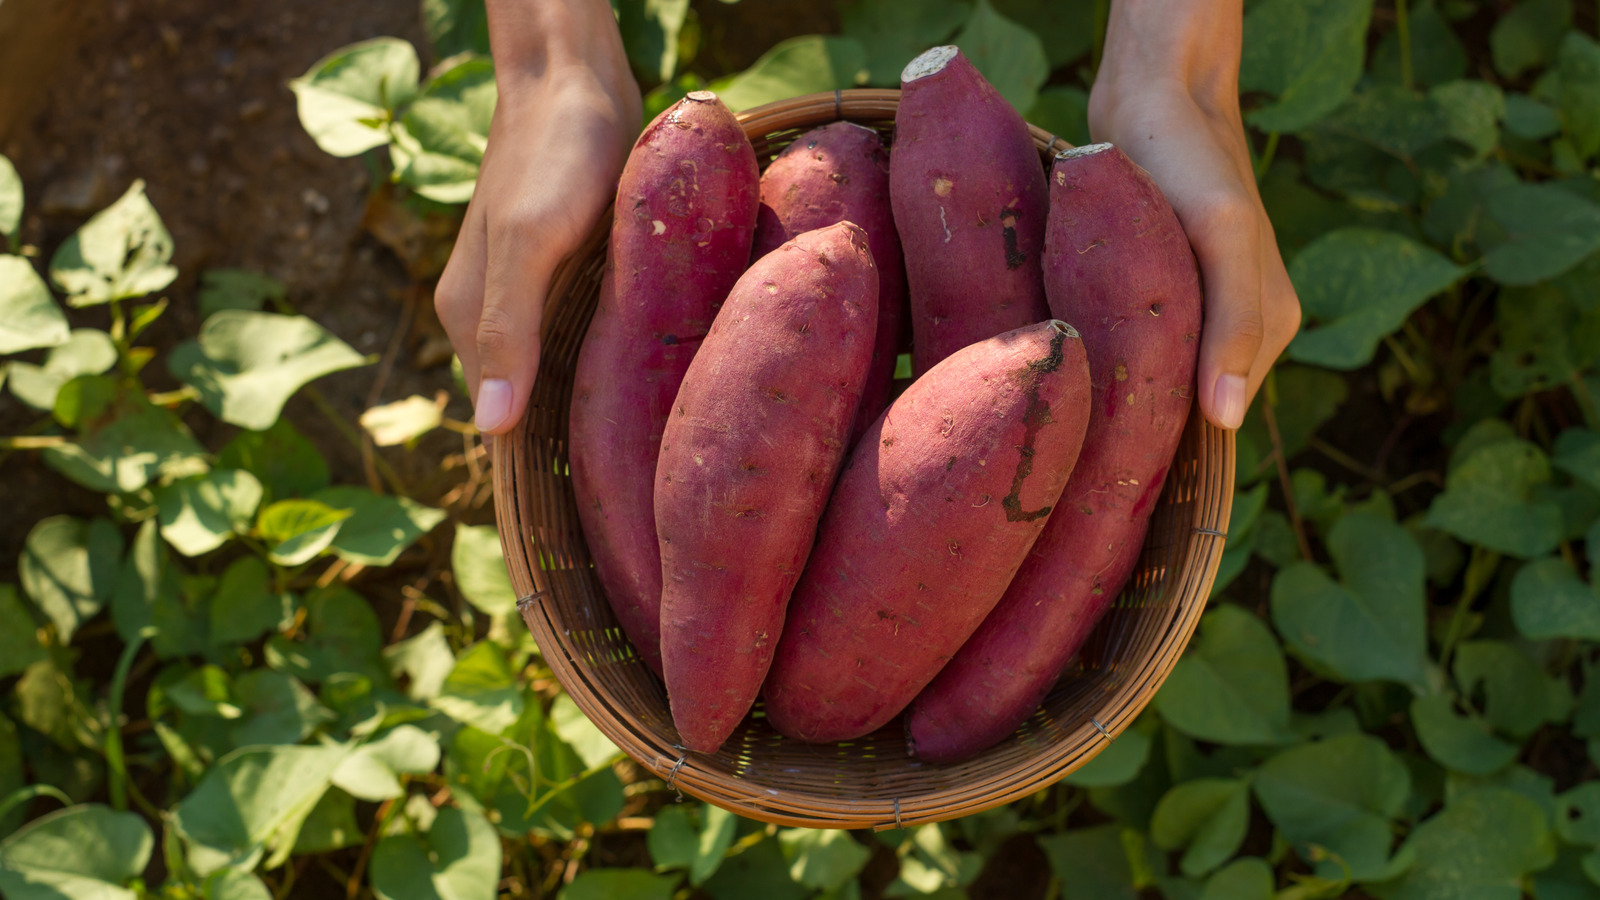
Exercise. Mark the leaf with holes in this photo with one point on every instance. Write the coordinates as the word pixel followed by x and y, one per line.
pixel 122 252
pixel 1460 741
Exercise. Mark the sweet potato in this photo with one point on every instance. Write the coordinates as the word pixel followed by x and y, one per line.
pixel 1117 262
pixel 685 216
pixel 839 173
pixel 969 202
pixel 747 460
pixel 937 507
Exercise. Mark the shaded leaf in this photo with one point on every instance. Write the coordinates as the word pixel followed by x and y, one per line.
pixel 1518 697
pixel 88 351
pixel 1208 816
pixel 456 26
pixel 1308 55
pixel 379 528
pixel 619 884
pixel 1436 53
pixel 286 464
pixel 1119 763
pixel 69 568
pixel 1549 600
pixel 1463 742
pixel 330 826
pixel 1549 230
pixel 122 252
pixel 1243 879
pixel 342 635
pixel 1066 29
pixel 1528 36
pixel 458 859
pixel 1092 860
pixel 85 851
pixel 245 606
pixel 1342 794
pixel 650 33
pixel 252 800
pixel 1479 848
pixel 277 709
pixel 824 859
pixel 19 646
pixel 1490 499
pixel 1063 111
pixel 10 201
pixel 1232 687
pixel 893 32
pixel 801 65
pixel 222 289
pixel 1009 56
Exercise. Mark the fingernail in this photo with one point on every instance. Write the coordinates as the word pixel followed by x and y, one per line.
pixel 1227 399
pixel 494 403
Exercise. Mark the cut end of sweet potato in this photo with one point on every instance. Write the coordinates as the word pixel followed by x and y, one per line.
pixel 931 62
pixel 701 96
pixel 1062 327
pixel 1085 150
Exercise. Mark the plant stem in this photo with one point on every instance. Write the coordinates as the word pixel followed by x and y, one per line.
pixel 1402 18
pixel 354 437
pixel 1267 154
pixel 173 398
pixel 23 794
pixel 1285 481
pixel 115 761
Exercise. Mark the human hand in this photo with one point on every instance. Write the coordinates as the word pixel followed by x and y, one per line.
pixel 1167 94
pixel 567 114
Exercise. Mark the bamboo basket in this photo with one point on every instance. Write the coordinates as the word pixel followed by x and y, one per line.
pixel 870 782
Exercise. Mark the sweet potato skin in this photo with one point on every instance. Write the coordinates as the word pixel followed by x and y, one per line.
pixel 970 204
pixel 935 510
pixel 836 173
pixel 748 458
pixel 1118 263
pixel 685 217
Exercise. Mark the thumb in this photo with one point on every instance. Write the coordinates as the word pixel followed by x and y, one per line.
pixel 516 281
pixel 1227 244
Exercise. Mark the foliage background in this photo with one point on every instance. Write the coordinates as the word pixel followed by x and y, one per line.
pixel 207 693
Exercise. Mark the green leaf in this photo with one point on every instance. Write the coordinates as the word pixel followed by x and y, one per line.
pixel 1092 860
pixel 29 316
pixel 893 32
pixel 19 644
pixel 1529 35
pixel 12 777
pixel 234 884
pixel 425 658
pixel 1208 816
pixel 254 799
pixel 801 65
pixel 1566 879
pixel 277 709
pixel 84 851
pixel 370 773
pixel 1577 452
pixel 1232 687
pixel 1372 626
pixel 479 564
pixel 822 859
pixel 10 202
pixel 456 26
pixel 716 835
pixel 69 568
pixel 245 606
pixel 1528 118
pixel 672 840
pixel 205 691
pixel 1479 848
pixel 1341 794
pixel 650 31
pixel 347 98
pixel 458 859
pixel 150 592
pixel 1067 29
pixel 1397 121
pixel 757 872
pixel 298 530
pixel 379 528
pixel 1490 499
pixel 126 446
pixel 481 690
pixel 1009 56
pixel 1306 53
pixel 1549 600
pixel 122 252
pixel 1578 815
pixel 88 351
pixel 439 143
pixel 199 514
pixel 1360 285
pixel 342 636
pixel 1463 742
pixel 222 289
pixel 285 463
pixel 1117 763
pixel 1472 111
pixel 330 826
pixel 403 421
pixel 1518 697
pixel 1063 111
pixel 619 884
pixel 1242 879
pixel 1546 339
pixel 1436 53
pixel 1549 228
pixel 573 727
pixel 1579 68
pixel 247 364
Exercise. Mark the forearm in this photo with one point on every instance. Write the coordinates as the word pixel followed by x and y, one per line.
pixel 1193 45
pixel 533 39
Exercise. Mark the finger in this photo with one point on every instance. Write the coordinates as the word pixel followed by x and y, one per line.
pixel 1280 308
pixel 458 298
pixel 507 338
pixel 1226 237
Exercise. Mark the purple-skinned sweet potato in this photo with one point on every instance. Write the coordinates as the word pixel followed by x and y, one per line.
pixel 840 173
pixel 937 507
pixel 685 217
pixel 748 459
pixel 1118 263
pixel 970 205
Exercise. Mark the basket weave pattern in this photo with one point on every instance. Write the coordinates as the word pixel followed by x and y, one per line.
pixel 870 782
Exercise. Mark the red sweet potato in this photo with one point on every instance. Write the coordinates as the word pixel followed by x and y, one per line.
pixel 969 202
pixel 685 216
pixel 937 507
pixel 747 460
pixel 839 173
pixel 1117 262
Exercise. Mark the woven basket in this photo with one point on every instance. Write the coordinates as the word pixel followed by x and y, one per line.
pixel 870 782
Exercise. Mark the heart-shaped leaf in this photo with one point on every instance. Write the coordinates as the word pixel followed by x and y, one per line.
pixel 246 365
pixel 347 99
pixel 1479 847
pixel 29 316
pixel 481 690
pixel 69 568
pixel 1361 285
pixel 199 514
pixel 801 65
pixel 479 564
pixel 276 709
pixel 893 32
pixel 1341 794
pixel 122 252
pixel 1463 742
pixel 1232 687
pixel 369 773
pixel 439 143
pixel 1306 54
pixel 378 527
pixel 1550 229
pixel 425 658
pixel 1373 625
pixel 85 851
pixel 254 799
pixel 1529 35
pixel 822 859
pixel 127 445
pixel 1117 764
pixel 88 351
pixel 245 606
pixel 1490 499
pixel 1009 56
pixel 458 859
pixel 1208 816
pixel 298 530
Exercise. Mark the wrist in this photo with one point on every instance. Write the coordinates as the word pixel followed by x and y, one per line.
pixel 1190 47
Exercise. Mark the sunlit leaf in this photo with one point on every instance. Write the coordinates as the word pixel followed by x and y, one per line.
pixel 575 728
pixel 347 98
pixel 480 568
pixel 87 852
pixel 801 65
pixel 402 421
pixel 458 859
pixel 69 569
pixel 379 527
pixel 29 316
pixel 199 514
pixel 298 530
pixel 87 351
pixel 10 202
pixel 122 252
pixel 822 859
pixel 370 771
pixel 439 143
pixel 253 800
pixel 425 658
pixel 481 690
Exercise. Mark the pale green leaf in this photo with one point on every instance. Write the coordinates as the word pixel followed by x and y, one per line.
pixel 29 316
pixel 87 852
pixel 347 98
pixel 370 772
pixel 425 658
pixel 69 569
pixel 88 351
pixel 200 513
pixel 252 800
pixel 481 690
pixel 10 201
pixel 824 859
pixel 801 65
pixel 222 289
pixel 379 527
pixel 122 252
pixel 403 421
pixel 575 728
pixel 479 564
pixel 298 530
pixel 439 143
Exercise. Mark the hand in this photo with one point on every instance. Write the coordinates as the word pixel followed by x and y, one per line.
pixel 1167 94
pixel 567 114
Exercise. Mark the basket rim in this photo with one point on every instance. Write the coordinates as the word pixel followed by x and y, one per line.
pixel 1126 696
